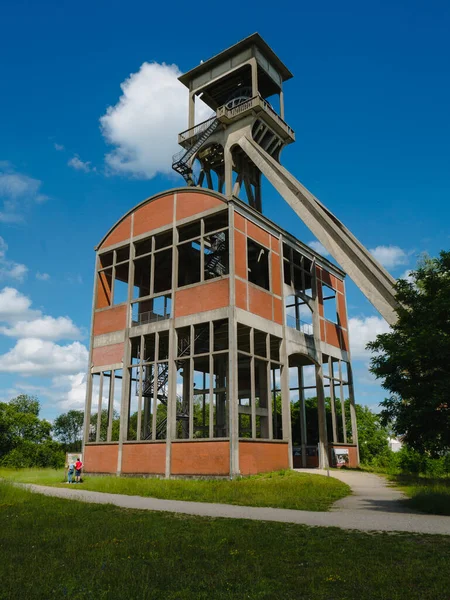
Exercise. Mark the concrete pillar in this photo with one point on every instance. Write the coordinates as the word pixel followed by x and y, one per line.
pixel 191 122
pixel 341 393
pixel 332 399
pixel 233 396
pixel 351 392
pixel 282 104
pixel 303 429
pixel 323 441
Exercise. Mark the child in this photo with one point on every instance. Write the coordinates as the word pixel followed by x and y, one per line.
pixel 78 467
pixel 70 472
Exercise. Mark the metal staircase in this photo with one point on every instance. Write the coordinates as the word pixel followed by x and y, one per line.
pixel 213 263
pixel 180 161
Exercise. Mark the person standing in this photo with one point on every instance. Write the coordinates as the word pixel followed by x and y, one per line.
pixel 70 472
pixel 78 467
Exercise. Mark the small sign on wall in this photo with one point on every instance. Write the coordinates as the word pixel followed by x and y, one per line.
pixel 340 457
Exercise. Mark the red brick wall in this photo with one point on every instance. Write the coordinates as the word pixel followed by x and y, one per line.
pixel 202 297
pixel 155 214
pixel 192 203
pixel 200 458
pixel 110 319
pixel 335 334
pixel 262 457
pixel 101 458
pixel 121 233
pixel 144 458
pixel 107 355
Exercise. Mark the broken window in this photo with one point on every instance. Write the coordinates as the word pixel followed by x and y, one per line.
pixel 297 270
pixel 329 303
pixel 258 264
pixel 299 315
pixel 203 251
pixel 112 283
pixel 105 399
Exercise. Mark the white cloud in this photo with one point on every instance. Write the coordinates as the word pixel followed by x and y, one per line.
pixel 8 268
pixel 42 276
pixel 389 256
pixel 79 165
pixel 144 124
pixel 319 248
pixel 44 328
pixel 362 331
pixel 58 147
pixel 17 192
pixel 407 275
pixel 69 391
pixel 32 356
pixel 14 306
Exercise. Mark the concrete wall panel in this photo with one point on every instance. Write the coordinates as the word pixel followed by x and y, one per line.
pixel 201 458
pixel 262 457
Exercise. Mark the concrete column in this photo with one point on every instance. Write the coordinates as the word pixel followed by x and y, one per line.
pixel 233 394
pixel 341 393
pixel 282 104
pixel 332 399
pixel 228 161
pixel 191 122
pixel 286 402
pixel 351 392
pixel 303 429
pixel 323 442
pixel 254 67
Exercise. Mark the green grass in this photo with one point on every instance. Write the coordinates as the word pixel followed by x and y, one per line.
pixel 282 489
pixel 55 549
pixel 424 493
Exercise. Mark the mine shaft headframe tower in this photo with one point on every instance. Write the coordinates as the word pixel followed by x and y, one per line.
pixel 245 136
pixel 235 84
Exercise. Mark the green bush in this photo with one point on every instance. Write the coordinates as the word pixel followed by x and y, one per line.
pixel 28 454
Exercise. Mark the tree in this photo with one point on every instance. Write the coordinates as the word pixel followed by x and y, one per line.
pixel 68 428
pixel 413 359
pixel 24 438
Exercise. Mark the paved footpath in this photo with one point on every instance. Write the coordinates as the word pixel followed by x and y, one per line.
pixel 373 506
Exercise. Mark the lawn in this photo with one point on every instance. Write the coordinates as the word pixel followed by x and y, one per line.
pixel 425 493
pixel 53 549
pixel 282 489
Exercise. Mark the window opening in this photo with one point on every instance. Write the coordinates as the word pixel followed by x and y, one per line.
pixel 258 264
pixel 329 303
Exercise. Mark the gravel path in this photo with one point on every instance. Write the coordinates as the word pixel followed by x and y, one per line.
pixel 373 507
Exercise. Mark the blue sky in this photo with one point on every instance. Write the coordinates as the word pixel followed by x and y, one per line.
pixel 369 103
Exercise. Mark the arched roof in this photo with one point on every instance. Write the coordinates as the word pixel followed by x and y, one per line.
pixel 184 190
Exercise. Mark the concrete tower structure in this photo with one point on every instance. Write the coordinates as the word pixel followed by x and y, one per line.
pixel 209 320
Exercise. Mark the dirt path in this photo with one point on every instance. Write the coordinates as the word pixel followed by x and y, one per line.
pixel 372 507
